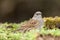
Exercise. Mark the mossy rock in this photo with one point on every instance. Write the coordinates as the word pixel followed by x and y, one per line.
pixel 52 22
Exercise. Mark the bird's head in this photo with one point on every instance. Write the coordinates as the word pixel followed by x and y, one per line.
pixel 37 15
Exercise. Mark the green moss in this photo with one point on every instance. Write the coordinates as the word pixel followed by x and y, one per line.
pixel 8 34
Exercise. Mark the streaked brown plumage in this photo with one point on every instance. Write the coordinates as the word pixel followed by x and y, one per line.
pixel 35 22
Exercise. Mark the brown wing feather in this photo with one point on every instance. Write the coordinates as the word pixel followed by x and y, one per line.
pixel 29 25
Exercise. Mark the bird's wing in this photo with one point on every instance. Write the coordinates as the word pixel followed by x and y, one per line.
pixel 29 25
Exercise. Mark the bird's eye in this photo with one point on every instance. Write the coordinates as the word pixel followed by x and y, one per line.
pixel 38 14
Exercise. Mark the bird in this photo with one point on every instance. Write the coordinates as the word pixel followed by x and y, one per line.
pixel 36 22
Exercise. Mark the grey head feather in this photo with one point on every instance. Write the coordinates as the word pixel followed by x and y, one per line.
pixel 38 16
